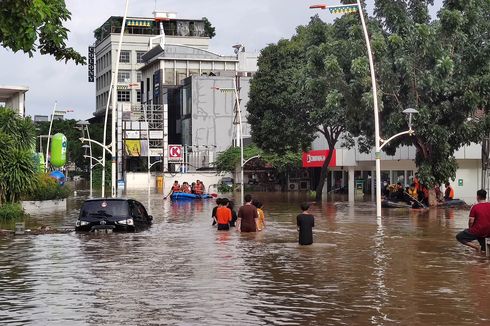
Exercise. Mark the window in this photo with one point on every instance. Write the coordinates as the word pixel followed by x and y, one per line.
pixel 125 57
pixel 139 56
pixel 138 96
pixel 138 76
pixel 124 76
pixel 123 96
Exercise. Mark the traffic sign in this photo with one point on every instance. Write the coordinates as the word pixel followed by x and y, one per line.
pixel 175 153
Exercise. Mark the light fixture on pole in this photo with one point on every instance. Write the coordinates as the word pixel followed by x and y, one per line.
pixel 356 7
pixel 83 125
pixel 410 131
pixel 113 98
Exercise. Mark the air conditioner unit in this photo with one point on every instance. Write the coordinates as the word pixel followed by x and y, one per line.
pixel 304 185
pixel 293 186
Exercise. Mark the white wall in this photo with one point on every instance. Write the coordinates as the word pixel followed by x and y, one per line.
pixel 139 181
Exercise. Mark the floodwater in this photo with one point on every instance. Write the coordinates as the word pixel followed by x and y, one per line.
pixel 407 269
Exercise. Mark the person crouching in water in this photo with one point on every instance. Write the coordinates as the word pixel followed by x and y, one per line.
pixel 223 215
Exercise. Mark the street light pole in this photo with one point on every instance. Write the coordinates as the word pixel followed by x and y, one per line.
pixel 377 143
pixel 49 136
pixel 85 124
pixel 113 93
pixel 352 8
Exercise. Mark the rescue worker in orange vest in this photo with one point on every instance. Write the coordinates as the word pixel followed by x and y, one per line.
pixel 175 188
pixel 449 193
pixel 198 189
pixel 185 188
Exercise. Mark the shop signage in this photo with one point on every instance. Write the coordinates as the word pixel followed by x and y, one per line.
pixel 315 159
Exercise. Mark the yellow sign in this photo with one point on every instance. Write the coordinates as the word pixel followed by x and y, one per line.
pixel 133 147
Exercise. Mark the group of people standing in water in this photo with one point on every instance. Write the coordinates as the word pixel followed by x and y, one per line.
pixel 251 218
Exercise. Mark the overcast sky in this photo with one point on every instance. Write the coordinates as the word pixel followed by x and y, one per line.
pixel 252 23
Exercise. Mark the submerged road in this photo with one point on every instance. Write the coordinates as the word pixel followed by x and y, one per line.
pixel 406 270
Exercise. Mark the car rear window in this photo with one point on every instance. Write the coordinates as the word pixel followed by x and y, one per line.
pixel 105 207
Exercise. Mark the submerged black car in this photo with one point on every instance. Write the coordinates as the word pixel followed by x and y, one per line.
pixel 126 215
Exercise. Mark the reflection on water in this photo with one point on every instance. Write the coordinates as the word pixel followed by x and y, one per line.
pixel 405 269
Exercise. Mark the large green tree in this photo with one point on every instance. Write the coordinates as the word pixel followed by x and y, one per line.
pixel 30 25
pixel 314 85
pixel 16 155
pixel 440 67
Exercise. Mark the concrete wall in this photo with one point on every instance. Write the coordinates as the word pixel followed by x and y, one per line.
pixel 212 111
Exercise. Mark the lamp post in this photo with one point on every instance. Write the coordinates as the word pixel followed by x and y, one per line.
pixel 348 8
pixel 83 125
pixel 55 112
pixel 113 98
pixel 239 131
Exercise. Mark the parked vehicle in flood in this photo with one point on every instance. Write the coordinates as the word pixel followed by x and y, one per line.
pixel 117 214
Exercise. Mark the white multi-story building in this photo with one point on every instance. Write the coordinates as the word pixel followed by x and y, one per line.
pixel 13 97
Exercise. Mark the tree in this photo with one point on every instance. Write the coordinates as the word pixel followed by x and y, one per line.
pixel 442 69
pixel 316 84
pixel 27 25
pixel 282 163
pixel 16 155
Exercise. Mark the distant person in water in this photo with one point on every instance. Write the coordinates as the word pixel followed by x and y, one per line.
pixel 234 217
pixel 223 215
pixel 260 214
pixel 247 216
pixel 305 222
pixel 213 214
pixel 478 223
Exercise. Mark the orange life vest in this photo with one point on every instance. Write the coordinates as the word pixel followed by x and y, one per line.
pixel 176 188
pixel 198 189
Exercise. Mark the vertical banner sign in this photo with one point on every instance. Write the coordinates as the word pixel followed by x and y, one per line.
pixel 91 63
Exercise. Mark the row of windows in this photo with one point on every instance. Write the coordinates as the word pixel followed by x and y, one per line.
pixel 122 96
pixel 125 56
pixel 124 76
pixel 103 62
pixel 103 81
pixel 125 96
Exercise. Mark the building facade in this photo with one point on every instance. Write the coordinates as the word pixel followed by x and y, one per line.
pixel 13 97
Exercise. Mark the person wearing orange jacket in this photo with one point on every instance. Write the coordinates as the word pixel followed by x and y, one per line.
pixel 449 193
pixel 198 189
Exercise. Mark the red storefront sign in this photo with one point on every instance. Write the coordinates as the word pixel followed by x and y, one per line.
pixel 315 159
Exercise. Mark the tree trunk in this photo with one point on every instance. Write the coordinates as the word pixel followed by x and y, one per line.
pixel 323 175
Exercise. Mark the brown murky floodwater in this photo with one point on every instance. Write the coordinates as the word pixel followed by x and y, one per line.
pixel 406 270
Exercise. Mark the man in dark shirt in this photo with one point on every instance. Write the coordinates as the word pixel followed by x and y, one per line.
pixel 478 224
pixel 247 216
pixel 305 222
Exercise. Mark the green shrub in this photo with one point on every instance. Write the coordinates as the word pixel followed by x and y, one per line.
pixel 9 211
pixel 47 188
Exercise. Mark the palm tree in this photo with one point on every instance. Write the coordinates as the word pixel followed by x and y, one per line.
pixel 17 135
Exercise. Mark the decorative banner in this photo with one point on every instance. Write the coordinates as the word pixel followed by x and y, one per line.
pixel 133 148
pixel 343 9
pixel 144 147
pixel 315 159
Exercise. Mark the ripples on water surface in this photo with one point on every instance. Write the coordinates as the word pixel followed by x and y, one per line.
pixel 408 270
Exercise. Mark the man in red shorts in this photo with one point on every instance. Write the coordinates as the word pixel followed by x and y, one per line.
pixel 478 224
